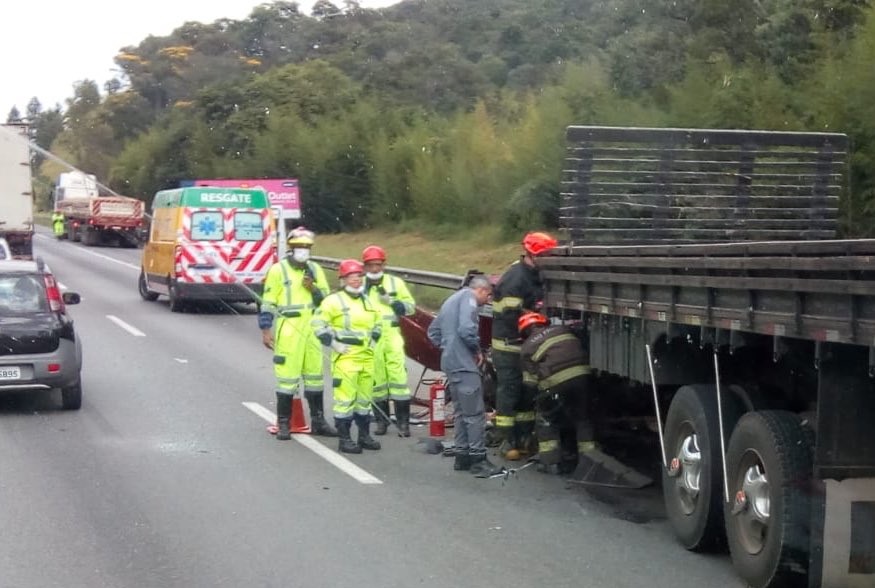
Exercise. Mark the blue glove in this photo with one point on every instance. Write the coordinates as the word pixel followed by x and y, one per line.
pixel 325 339
pixel 265 320
pixel 398 307
pixel 376 334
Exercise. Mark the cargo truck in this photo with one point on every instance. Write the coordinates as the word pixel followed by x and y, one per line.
pixel 719 305
pixel 94 219
pixel 16 190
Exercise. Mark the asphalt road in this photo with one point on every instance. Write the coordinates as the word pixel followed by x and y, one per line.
pixel 166 477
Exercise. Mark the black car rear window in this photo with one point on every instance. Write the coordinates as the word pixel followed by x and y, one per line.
pixel 22 294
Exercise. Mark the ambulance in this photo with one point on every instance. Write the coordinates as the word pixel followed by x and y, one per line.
pixel 208 243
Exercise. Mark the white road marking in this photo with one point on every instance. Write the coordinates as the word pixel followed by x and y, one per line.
pixel 130 329
pixel 61 286
pixel 100 255
pixel 335 459
pixel 180 360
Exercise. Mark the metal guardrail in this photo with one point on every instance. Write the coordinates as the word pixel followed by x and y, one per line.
pixel 412 276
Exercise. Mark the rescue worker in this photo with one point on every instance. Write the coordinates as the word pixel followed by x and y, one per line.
pixel 391 296
pixel 556 368
pixel 348 323
pixel 556 372
pixel 518 290
pixel 456 332
pixel 293 288
pixel 58 223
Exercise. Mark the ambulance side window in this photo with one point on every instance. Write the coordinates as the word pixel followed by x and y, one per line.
pixel 248 226
pixel 207 225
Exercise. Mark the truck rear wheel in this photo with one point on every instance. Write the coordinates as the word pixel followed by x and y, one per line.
pixel 769 462
pixel 692 485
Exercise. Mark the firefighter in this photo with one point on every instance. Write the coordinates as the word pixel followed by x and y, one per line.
pixel 58 223
pixel 348 323
pixel 293 288
pixel 391 296
pixel 518 290
pixel 556 369
pixel 556 372
pixel 456 332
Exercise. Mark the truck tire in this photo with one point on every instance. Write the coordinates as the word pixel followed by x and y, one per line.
pixel 694 497
pixel 767 523
pixel 145 293
pixel 71 396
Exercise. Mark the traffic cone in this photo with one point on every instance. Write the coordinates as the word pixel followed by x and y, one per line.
pixel 299 421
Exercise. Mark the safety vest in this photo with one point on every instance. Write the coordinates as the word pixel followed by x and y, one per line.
pixel 350 320
pixel 284 292
pixel 391 289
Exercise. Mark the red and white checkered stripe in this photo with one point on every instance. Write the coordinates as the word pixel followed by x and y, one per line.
pixel 234 261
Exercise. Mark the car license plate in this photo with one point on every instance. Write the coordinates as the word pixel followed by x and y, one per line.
pixel 10 373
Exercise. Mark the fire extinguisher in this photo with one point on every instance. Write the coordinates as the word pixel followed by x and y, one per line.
pixel 436 412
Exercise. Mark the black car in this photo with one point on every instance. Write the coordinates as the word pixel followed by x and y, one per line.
pixel 39 349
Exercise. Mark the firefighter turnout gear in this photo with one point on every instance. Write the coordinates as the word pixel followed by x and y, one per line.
pixel 58 224
pixel 292 291
pixel 391 297
pixel 456 332
pixel 519 290
pixel 348 323
pixel 556 370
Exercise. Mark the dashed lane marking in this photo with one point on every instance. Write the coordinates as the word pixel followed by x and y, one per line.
pixel 95 254
pixel 129 328
pixel 335 459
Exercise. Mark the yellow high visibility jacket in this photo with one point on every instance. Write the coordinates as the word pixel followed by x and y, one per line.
pixel 351 321
pixel 285 295
pixel 388 290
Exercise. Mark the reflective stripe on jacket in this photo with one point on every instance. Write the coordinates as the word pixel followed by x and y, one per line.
pixel 391 289
pixel 284 291
pixel 519 289
pixel 349 320
pixel 552 355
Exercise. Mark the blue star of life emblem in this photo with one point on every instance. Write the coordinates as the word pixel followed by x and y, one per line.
pixel 207 226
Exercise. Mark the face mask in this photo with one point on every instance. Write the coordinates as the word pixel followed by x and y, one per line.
pixel 300 255
pixel 354 291
pixel 374 276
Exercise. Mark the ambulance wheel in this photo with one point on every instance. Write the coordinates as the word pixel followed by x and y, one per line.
pixel 143 287
pixel 769 461
pixel 176 302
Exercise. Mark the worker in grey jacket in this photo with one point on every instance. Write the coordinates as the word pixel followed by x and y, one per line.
pixel 456 331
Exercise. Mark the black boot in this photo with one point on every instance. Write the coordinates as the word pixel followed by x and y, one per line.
pixel 346 444
pixel 383 421
pixel 481 467
pixel 283 416
pixel 318 424
pixel 363 422
pixel 462 461
pixel 402 416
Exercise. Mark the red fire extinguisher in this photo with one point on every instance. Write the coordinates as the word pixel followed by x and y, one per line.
pixel 436 413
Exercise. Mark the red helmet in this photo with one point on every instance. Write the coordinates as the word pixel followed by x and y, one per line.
pixel 538 243
pixel 373 253
pixel 528 319
pixel 350 266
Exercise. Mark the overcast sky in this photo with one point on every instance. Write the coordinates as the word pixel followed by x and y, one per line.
pixel 48 45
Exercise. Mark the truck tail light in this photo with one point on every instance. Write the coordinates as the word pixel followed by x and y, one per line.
pixel 53 293
pixel 54 368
